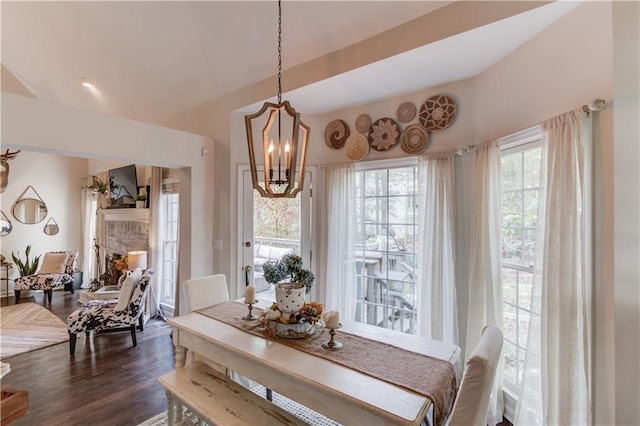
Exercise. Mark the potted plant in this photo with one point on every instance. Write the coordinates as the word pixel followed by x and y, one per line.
pixel 27 267
pixel 290 294
pixel 96 186
pixel 140 200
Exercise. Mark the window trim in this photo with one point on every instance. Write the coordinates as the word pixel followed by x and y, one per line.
pixel 516 142
pixel 394 163
pixel 165 241
pixel 520 139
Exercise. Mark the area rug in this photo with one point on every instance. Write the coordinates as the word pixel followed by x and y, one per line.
pixel 300 411
pixel 28 326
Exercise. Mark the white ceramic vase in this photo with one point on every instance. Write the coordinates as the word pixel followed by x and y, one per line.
pixel 290 297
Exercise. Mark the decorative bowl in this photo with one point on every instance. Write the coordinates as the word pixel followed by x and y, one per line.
pixel 300 330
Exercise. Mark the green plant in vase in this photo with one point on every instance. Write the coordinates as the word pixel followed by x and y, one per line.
pixel 289 267
pixel 27 267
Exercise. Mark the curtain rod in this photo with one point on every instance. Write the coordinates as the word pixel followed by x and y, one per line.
pixel 595 105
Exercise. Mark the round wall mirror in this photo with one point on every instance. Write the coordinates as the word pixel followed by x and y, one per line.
pixel 29 209
pixel 51 228
pixel 5 225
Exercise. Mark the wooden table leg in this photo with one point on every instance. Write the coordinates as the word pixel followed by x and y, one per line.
pixel 181 356
pixel 171 409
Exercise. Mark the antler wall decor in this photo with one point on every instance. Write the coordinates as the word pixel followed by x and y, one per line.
pixel 4 167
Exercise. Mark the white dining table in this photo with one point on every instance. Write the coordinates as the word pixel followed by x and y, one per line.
pixel 340 393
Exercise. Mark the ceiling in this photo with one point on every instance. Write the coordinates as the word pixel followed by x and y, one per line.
pixel 152 60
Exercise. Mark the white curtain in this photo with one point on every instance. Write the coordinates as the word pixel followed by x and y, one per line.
pixel 555 385
pixel 485 284
pixel 88 204
pixel 156 231
pixel 340 274
pixel 436 240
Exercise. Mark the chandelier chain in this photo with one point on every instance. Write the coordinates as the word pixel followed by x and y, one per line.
pixel 279 53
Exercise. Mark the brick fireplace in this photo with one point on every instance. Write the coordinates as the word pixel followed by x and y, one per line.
pixel 123 230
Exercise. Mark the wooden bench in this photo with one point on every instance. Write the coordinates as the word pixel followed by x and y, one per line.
pixel 218 400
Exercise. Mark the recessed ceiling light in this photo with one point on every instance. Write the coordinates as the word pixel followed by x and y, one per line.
pixel 86 83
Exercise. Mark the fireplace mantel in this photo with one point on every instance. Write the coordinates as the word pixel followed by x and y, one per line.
pixel 124 215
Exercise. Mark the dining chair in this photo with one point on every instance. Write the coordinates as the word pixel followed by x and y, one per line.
pixel 200 293
pixel 472 402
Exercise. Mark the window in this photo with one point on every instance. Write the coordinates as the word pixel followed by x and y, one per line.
pixel 386 260
pixel 170 204
pixel 520 189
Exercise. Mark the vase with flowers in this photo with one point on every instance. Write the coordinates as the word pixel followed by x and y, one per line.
pixel 100 188
pixel 96 186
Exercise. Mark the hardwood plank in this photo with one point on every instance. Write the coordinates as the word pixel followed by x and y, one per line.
pixel 108 382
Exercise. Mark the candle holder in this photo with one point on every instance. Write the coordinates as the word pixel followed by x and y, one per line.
pixel 332 344
pixel 250 316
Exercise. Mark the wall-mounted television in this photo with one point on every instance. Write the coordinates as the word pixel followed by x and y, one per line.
pixel 123 183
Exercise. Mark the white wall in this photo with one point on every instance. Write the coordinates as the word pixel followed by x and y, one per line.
pixel 626 193
pixel 76 132
pixel 58 180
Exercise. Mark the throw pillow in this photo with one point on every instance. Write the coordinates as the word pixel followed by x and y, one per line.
pixel 53 263
pixel 126 291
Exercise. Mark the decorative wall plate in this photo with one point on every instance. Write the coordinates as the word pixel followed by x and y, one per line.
pixel 384 134
pixel 414 139
pixel 356 147
pixel 363 124
pixel 336 134
pixel 406 112
pixel 437 112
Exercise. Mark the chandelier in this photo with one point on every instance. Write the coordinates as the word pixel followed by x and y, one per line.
pixel 282 145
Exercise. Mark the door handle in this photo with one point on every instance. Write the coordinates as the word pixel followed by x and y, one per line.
pixel 247 269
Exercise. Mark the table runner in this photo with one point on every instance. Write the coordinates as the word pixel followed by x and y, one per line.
pixel 425 375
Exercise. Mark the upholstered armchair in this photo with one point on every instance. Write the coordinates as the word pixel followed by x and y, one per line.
pixel 112 315
pixel 57 269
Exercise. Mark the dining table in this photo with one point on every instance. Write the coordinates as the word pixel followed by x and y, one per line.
pixel 377 378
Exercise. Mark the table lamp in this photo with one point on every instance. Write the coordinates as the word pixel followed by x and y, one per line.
pixel 137 259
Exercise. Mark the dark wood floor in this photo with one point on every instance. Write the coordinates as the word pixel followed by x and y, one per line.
pixel 107 382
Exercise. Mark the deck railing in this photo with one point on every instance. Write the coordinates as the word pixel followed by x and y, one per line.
pixel 278 242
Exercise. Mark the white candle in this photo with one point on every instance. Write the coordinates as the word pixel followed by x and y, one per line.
pixel 250 294
pixel 332 318
pixel 287 152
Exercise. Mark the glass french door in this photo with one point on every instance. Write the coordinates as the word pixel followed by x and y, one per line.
pixel 271 228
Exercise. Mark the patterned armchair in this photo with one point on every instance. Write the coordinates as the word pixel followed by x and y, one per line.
pixel 101 315
pixel 48 281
